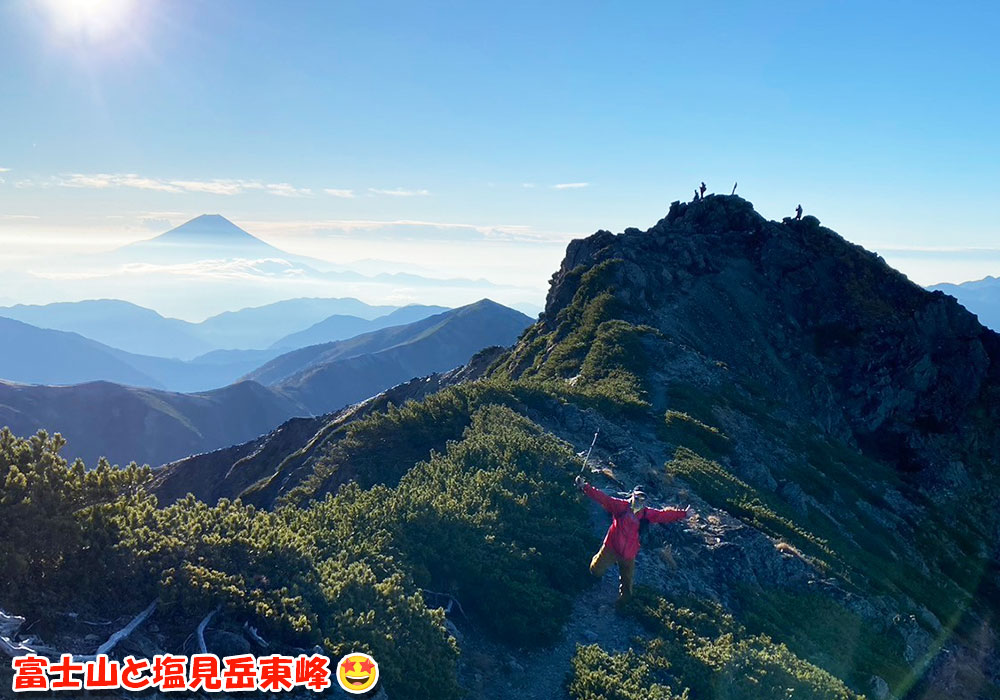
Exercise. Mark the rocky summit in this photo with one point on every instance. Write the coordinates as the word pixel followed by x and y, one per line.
pixel 823 329
pixel 833 426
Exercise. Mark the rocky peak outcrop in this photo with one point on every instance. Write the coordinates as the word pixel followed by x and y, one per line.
pixel 792 305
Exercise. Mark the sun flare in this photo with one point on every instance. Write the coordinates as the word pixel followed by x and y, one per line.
pixel 92 19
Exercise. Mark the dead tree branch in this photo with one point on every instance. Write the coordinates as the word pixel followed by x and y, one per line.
pixel 252 631
pixel 200 632
pixel 126 630
pixel 452 600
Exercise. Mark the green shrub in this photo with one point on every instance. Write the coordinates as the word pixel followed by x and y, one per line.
pixel 819 628
pixel 704 651
pixel 54 520
pixel 598 675
pixel 94 542
pixel 488 521
pixel 682 429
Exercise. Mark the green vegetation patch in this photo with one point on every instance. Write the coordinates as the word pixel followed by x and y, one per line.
pixel 490 520
pixel 594 355
pixel 820 629
pixel 381 447
pixel 53 517
pixel 703 651
pixel 682 429
pixel 599 675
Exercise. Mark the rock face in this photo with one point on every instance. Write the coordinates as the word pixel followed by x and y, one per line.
pixel 795 307
pixel 838 423
pixel 826 328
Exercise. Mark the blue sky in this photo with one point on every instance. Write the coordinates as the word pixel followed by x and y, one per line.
pixel 544 120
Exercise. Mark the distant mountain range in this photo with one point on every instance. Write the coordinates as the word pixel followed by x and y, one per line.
pixel 981 297
pixel 136 329
pixel 34 355
pixel 120 324
pixel 40 356
pixel 155 426
pixel 209 265
pixel 266 326
pixel 209 259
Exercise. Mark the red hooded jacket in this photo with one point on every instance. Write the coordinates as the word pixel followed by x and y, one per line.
pixel 623 535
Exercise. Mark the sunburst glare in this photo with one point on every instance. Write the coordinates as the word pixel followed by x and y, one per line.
pixel 90 20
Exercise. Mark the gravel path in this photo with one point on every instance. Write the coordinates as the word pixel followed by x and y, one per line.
pixel 490 671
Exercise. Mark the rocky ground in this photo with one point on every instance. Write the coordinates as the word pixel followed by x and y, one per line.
pixel 701 556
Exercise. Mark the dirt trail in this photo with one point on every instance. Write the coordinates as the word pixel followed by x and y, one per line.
pixel 489 670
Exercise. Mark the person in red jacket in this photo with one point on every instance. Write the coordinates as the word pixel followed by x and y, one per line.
pixel 621 544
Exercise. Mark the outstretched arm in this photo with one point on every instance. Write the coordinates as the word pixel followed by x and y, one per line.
pixel 612 505
pixel 666 515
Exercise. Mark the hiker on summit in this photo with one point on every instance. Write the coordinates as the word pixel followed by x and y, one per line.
pixel 621 544
pixel 798 213
pixel 702 190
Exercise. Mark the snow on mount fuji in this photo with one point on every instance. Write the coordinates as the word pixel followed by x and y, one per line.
pixel 206 237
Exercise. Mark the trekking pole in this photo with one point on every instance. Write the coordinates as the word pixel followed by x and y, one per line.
pixel 587 456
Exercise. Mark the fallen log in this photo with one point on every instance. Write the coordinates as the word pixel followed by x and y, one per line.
pixel 126 630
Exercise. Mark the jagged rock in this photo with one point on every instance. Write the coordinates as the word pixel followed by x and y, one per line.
pixel 796 497
pixel 139 645
pixel 226 643
pixel 453 630
pixel 880 689
pixel 916 641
